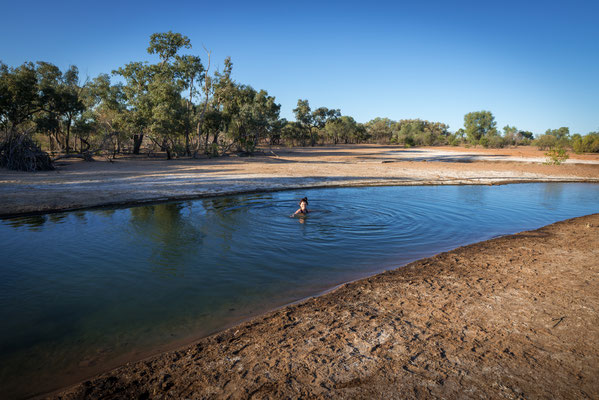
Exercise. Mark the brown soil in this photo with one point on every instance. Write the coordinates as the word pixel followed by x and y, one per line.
pixel 77 184
pixel 513 317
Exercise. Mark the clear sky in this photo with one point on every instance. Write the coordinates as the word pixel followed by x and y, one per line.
pixel 534 64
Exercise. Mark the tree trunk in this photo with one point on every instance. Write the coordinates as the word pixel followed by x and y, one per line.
pixel 166 148
pixel 206 143
pixel 187 149
pixel 137 139
pixel 203 113
pixel 68 149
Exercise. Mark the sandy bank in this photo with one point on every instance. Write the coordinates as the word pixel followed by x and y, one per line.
pixel 512 317
pixel 77 184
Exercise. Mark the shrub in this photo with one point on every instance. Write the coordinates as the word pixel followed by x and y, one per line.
pixel 496 142
pixel 556 155
pixel 586 144
pixel 545 142
pixel 454 140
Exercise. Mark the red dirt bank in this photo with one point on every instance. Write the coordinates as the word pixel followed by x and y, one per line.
pixel 513 317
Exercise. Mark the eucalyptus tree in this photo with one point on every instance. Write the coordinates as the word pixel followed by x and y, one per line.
pixel 320 117
pixel 433 133
pixel 293 132
pixel 313 120
pixel 345 129
pixel 479 124
pixel 264 116
pixel 191 72
pixel 303 116
pixel 106 114
pixel 168 113
pixel 19 96
pixel 48 119
pixel 60 99
pixel 560 133
pixel 138 113
pixel 252 115
pixel 167 44
pixel 225 102
pixel 71 99
pixel 381 130
pixel 19 103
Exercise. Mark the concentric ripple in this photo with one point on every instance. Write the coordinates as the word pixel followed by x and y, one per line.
pixel 83 291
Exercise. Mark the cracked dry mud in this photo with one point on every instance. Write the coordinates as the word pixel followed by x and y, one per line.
pixel 512 317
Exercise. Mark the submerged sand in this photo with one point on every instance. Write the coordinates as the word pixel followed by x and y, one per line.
pixel 77 184
pixel 512 317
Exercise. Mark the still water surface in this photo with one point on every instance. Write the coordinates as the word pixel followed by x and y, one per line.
pixel 84 291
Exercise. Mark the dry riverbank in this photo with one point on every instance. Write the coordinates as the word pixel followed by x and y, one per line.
pixel 77 184
pixel 512 317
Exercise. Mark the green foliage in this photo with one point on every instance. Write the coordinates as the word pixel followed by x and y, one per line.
pixel 159 104
pixel 380 130
pixel 345 130
pixel 454 140
pixel 420 133
pixel 556 155
pixel 166 45
pixel 493 142
pixel 478 125
pixel 526 135
pixel 588 143
pixel 409 132
pixel 313 121
pixel 545 142
pixel 294 133
pixel 303 113
pixel 19 95
pixel 560 133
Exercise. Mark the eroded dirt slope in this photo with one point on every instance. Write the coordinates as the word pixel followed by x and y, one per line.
pixel 512 317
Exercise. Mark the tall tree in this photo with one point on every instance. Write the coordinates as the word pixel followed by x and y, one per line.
pixel 167 44
pixel 19 95
pixel 479 124
pixel 138 114
pixel 560 133
pixel 191 72
pixel 313 120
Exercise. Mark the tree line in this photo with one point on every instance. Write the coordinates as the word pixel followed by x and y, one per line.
pixel 179 106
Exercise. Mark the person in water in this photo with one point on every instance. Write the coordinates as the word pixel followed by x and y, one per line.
pixel 303 210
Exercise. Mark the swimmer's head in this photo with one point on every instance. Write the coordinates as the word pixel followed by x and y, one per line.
pixel 303 203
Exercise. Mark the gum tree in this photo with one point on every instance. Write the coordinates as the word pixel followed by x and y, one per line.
pixel 479 124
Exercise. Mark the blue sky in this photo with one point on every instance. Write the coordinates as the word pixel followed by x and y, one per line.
pixel 534 64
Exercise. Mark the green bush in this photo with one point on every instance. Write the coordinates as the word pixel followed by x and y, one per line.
pixel 556 155
pixel 453 140
pixel 496 142
pixel 586 144
pixel 545 142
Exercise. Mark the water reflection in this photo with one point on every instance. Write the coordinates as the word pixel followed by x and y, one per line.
pixel 33 222
pixel 552 195
pixel 475 195
pixel 172 238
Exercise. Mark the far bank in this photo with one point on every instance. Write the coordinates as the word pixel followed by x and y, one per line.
pixel 77 184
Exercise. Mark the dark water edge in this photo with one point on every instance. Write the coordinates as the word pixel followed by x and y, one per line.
pixel 85 291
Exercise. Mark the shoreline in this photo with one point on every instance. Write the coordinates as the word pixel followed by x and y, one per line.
pixel 477 318
pixel 150 201
pixel 79 185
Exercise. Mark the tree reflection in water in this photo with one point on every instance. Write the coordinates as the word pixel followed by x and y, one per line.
pixel 172 237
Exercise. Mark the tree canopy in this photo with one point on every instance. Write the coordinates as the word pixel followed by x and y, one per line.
pixel 177 105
